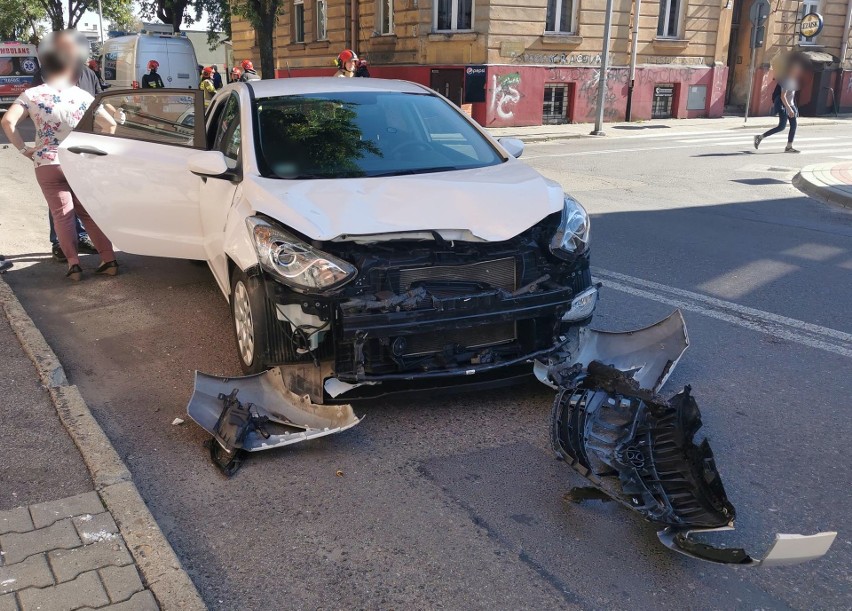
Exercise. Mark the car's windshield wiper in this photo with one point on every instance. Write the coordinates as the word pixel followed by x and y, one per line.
pixel 448 168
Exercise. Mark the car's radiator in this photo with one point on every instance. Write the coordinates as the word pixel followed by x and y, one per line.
pixel 500 273
pixel 473 337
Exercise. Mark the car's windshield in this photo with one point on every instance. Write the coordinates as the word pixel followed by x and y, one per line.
pixel 355 134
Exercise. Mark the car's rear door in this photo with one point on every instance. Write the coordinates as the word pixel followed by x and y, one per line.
pixel 133 177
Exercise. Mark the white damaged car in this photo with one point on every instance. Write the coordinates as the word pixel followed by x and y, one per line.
pixel 369 236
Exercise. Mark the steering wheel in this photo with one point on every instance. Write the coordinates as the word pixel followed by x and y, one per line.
pixel 414 145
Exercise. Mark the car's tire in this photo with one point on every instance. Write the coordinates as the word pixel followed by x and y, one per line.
pixel 250 324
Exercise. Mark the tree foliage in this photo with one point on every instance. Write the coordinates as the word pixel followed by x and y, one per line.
pixel 182 13
pixel 56 10
pixel 20 20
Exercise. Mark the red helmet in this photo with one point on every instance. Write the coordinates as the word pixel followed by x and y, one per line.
pixel 153 64
pixel 207 72
pixel 247 65
pixel 345 56
pixel 93 64
pixel 237 71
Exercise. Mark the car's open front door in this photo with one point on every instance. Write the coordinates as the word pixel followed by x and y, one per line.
pixel 131 172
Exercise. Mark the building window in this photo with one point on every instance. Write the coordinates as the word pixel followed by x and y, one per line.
pixel 808 6
pixel 384 16
pixel 453 15
pixel 322 20
pixel 298 20
pixel 560 17
pixel 555 109
pixel 668 24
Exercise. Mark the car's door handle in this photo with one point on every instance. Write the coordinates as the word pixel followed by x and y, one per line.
pixel 86 150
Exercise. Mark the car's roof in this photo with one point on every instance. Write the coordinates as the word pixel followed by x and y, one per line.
pixel 326 84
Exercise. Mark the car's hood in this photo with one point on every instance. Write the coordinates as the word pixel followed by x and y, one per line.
pixel 490 204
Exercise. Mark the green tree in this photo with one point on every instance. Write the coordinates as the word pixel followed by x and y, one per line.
pixel 19 19
pixel 262 15
pixel 55 9
pixel 180 13
pixel 125 21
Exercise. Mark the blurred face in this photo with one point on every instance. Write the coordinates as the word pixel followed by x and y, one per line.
pixel 795 71
pixel 68 43
pixel 350 65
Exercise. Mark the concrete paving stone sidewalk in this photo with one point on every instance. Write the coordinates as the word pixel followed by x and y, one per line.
pixel 828 182
pixel 544 133
pixel 59 547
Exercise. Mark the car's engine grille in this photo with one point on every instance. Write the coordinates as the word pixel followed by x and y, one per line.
pixel 500 273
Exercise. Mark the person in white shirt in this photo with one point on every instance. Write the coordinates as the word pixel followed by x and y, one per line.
pixel 55 108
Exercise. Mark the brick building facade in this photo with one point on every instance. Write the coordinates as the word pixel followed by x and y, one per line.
pixel 528 62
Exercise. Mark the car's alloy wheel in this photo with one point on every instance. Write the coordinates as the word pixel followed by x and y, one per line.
pixel 243 324
pixel 249 311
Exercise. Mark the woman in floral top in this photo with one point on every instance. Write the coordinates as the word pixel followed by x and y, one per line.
pixel 56 107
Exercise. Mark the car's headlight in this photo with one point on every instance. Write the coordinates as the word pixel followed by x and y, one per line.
pixel 294 262
pixel 572 237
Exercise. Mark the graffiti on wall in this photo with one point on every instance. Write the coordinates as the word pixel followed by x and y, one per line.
pixel 677 61
pixel 562 59
pixel 505 94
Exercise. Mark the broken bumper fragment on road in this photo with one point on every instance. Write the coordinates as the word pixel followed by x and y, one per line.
pixel 253 413
pixel 641 450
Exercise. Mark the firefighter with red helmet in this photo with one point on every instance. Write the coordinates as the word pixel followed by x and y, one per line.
pixel 249 73
pixel 152 80
pixel 347 63
pixel 207 85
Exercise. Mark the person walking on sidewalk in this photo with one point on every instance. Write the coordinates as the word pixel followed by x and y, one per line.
pixel 784 102
pixel 55 108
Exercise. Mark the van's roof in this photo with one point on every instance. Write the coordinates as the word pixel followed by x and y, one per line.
pixel 325 84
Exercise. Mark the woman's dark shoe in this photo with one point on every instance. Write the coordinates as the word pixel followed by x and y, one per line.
pixel 108 269
pixel 58 255
pixel 75 272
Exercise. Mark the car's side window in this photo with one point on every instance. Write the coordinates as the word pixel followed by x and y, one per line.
pixel 227 138
pixel 166 118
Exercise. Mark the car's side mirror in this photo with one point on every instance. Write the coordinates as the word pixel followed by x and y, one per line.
pixel 513 146
pixel 208 163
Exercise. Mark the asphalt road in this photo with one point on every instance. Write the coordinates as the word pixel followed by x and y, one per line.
pixel 457 502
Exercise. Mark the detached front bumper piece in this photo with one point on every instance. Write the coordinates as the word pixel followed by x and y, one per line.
pixel 253 413
pixel 642 451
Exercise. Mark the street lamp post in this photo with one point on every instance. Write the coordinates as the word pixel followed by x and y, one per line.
pixel 598 131
pixel 101 21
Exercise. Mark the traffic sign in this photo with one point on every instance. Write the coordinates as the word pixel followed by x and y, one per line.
pixel 759 12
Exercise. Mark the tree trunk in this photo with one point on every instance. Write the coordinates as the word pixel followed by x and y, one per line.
pixel 265 41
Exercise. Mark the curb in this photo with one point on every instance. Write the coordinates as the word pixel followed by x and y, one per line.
pixel 157 561
pixel 821 193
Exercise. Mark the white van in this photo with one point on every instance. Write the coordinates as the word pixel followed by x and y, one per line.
pixel 125 60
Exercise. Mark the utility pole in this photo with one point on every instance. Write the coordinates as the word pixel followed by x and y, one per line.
pixel 634 46
pixel 598 131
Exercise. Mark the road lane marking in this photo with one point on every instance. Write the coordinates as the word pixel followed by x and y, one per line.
pixel 750 140
pixel 781 327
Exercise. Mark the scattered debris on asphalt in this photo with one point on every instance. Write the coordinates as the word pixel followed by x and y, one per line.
pixel 177 421
pixel 641 450
pixel 339 473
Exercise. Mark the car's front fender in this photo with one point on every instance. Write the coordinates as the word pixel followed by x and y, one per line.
pixel 238 243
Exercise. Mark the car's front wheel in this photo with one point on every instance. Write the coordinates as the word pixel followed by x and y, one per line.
pixel 250 323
